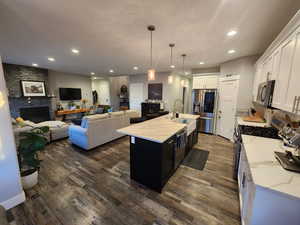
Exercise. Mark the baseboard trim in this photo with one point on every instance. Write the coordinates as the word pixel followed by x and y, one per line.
pixel 14 201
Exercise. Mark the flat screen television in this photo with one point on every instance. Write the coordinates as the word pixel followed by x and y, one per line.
pixel 68 94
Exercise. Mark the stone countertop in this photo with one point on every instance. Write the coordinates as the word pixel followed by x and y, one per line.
pixel 266 170
pixel 240 121
pixel 188 116
pixel 157 130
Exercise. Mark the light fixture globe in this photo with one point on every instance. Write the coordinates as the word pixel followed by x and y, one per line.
pixel 151 74
pixel 171 45
pixel 151 71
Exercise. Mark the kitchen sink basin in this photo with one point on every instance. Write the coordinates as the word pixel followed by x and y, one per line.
pixel 190 124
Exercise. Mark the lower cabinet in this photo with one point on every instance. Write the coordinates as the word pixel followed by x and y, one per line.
pixel 261 205
pixel 246 188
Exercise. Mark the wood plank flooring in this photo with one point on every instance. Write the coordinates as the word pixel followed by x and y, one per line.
pixel 93 188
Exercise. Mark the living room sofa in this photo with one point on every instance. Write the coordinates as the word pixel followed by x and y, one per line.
pixel 99 129
pixel 58 129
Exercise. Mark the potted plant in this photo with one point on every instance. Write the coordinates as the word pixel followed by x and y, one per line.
pixel 31 143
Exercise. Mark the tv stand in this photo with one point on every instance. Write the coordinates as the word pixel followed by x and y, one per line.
pixel 64 113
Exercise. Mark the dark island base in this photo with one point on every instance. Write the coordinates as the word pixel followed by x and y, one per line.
pixel 152 163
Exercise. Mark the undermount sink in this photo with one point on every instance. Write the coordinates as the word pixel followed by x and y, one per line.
pixel 190 124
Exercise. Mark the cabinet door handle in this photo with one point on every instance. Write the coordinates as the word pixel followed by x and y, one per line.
pixel 294 104
pixel 243 180
pixel 297 107
pixel 170 142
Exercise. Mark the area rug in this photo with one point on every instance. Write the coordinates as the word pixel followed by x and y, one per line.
pixel 196 159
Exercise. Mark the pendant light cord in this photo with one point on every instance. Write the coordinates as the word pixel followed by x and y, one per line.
pixel 151 49
pixel 171 56
pixel 183 57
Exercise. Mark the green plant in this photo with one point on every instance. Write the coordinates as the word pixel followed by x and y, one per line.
pixel 31 143
pixel 106 108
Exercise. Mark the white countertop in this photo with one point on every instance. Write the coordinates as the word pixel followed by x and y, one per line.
pixel 266 170
pixel 240 121
pixel 188 116
pixel 158 130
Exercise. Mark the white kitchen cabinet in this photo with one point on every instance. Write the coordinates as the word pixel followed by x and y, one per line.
pixel 262 201
pixel 293 90
pixel 205 82
pixel 267 70
pixel 257 79
pixel 284 72
pixel 246 189
pixel 276 62
pixel 281 62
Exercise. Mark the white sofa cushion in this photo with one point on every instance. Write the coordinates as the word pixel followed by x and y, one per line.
pixel 84 122
pixel 52 124
pixel 96 131
pixel 117 114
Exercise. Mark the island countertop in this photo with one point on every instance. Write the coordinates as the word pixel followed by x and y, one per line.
pixel 266 170
pixel 158 130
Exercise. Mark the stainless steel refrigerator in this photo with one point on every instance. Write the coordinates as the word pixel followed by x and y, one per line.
pixel 205 104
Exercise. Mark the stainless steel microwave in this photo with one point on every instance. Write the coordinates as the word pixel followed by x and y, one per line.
pixel 265 93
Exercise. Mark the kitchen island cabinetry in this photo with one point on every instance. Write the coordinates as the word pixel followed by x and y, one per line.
pixel 158 147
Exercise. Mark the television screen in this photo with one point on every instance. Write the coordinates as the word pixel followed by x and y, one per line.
pixel 70 94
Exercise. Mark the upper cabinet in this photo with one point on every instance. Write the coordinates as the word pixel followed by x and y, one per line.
pixel 293 90
pixel 284 72
pixel 205 82
pixel 281 62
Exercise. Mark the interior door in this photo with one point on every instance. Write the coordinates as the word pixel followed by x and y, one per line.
pixel 228 91
pixel 136 96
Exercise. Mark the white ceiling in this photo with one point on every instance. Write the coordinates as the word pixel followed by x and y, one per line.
pixel 112 34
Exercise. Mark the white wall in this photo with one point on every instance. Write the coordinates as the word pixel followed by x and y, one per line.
pixel 66 80
pixel 171 92
pixel 246 69
pixel 11 192
pixel 102 86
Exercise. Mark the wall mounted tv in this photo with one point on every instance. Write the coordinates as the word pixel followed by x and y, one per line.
pixel 68 94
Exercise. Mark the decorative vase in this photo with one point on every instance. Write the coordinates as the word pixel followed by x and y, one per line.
pixel 30 180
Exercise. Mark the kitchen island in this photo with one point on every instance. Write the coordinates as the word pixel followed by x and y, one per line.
pixel 158 146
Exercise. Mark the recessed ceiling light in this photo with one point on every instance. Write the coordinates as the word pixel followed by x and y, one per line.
pixel 135 68
pixel 92 73
pixel 231 51
pixel 51 59
pixel 75 51
pixel 172 66
pixel 35 64
pixel 232 33
pixel 201 63
pixel 111 71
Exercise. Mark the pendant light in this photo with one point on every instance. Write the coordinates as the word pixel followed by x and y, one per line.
pixel 171 56
pixel 151 71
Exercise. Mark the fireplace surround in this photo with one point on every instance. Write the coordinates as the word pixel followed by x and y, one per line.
pixel 35 114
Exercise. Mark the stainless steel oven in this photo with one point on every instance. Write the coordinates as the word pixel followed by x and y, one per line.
pixel 265 93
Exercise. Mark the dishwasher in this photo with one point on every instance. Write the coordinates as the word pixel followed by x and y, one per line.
pixel 179 150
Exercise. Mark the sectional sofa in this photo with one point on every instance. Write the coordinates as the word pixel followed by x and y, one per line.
pixel 99 129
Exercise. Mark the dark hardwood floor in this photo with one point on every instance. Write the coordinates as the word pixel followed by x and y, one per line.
pixel 91 188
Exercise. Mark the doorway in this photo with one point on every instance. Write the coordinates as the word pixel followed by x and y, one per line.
pixel 228 93
pixel 136 96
